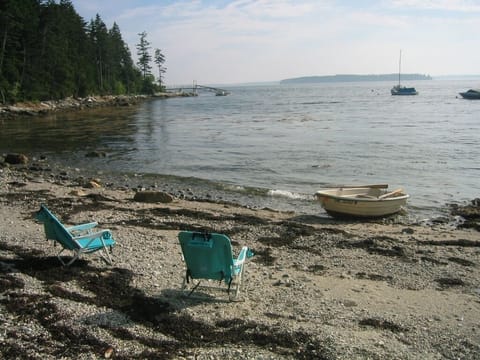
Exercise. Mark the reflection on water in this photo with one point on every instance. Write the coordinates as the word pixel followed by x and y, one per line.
pixel 69 132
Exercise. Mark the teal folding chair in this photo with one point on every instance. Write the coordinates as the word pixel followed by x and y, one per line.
pixel 80 239
pixel 208 256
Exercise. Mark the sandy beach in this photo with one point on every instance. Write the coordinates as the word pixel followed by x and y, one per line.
pixel 316 288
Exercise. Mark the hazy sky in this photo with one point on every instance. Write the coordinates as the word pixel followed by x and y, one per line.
pixel 224 42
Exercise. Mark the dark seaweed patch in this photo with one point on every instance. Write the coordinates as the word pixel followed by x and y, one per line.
pixel 463 262
pixel 380 245
pixel 432 260
pixel 265 256
pixel 317 268
pixel 459 242
pixel 9 282
pixel 449 282
pixel 274 241
pixel 382 324
pixel 374 277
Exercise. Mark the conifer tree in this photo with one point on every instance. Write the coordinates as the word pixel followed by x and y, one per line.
pixel 144 57
pixel 160 60
pixel 47 52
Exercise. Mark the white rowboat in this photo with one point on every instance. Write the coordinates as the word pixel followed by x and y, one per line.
pixel 362 201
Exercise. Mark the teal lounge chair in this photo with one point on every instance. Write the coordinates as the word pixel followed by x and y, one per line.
pixel 80 239
pixel 209 257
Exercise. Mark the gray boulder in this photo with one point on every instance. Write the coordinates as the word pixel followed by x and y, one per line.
pixel 153 197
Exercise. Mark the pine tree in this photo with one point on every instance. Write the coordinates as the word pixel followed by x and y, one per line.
pixel 19 33
pixel 99 37
pixel 160 60
pixel 47 51
pixel 144 57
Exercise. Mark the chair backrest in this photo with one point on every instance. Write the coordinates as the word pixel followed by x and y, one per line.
pixel 207 256
pixel 54 229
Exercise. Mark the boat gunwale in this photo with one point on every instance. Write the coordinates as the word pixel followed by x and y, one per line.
pixel 320 194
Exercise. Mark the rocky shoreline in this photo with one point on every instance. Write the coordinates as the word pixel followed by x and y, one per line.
pixel 313 290
pixel 75 104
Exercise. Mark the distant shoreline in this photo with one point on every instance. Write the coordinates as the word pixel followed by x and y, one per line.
pixel 353 78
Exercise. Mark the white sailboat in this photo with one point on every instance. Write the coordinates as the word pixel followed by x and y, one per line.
pixel 399 89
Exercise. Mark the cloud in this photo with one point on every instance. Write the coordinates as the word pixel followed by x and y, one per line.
pixel 446 5
pixel 218 41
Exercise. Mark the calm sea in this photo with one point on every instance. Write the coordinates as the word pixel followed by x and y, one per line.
pixel 276 145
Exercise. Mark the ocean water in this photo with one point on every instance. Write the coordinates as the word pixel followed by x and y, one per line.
pixel 276 145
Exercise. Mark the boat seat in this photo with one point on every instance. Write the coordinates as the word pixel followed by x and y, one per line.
pixel 364 196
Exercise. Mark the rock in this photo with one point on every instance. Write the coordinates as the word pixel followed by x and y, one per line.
pixel 123 101
pixel 408 231
pixel 469 212
pixel 153 197
pixel 79 193
pixel 349 303
pixel 108 353
pixel 93 184
pixel 16 159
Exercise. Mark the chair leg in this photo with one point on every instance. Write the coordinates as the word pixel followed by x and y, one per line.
pixel 238 284
pixel 59 258
pixel 106 256
pixel 194 287
pixel 75 256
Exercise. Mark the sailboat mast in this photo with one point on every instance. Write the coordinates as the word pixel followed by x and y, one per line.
pixel 399 67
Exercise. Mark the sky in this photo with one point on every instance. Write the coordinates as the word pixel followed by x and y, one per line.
pixel 248 41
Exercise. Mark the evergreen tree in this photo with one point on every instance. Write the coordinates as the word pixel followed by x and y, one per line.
pixel 18 28
pixel 47 51
pixel 64 57
pixel 160 60
pixel 123 72
pixel 144 57
pixel 99 38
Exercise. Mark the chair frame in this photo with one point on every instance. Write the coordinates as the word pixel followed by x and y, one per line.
pixel 230 272
pixel 80 239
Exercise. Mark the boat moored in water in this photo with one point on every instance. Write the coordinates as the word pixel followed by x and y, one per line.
pixel 220 92
pixel 366 201
pixel 472 94
pixel 402 90
pixel 399 89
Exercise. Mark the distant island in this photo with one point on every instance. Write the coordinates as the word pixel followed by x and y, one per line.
pixel 353 78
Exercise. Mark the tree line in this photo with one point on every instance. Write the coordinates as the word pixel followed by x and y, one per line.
pixel 48 52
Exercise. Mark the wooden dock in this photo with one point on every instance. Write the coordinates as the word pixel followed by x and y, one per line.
pixel 197 88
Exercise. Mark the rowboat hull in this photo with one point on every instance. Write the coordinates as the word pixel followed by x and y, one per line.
pixel 361 202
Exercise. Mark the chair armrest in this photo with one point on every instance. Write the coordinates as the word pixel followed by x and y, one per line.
pixel 103 234
pixel 244 254
pixel 82 227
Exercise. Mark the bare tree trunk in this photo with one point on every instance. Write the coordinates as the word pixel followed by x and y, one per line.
pixel 100 72
pixel 4 45
pixel 24 65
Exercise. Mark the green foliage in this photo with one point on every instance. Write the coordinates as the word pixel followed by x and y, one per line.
pixel 148 86
pixel 47 51
pixel 144 57
pixel 119 88
pixel 159 60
